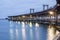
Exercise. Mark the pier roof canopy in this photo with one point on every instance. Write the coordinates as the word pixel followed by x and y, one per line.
pixel 44 13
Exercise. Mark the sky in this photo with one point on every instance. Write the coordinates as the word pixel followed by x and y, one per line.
pixel 18 7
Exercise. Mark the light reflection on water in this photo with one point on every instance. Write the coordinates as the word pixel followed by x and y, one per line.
pixel 30 24
pixel 51 33
pixel 37 33
pixel 31 34
pixel 11 31
pixel 23 31
pixel 11 24
pixel 11 34
pixel 31 31
pixel 28 31
pixel 17 34
pixel 18 22
pixel 57 32
pixel 36 24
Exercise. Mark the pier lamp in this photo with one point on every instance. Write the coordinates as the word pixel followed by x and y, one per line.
pixel 23 16
pixel 51 12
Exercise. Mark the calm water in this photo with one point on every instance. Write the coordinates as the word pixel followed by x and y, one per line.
pixel 10 30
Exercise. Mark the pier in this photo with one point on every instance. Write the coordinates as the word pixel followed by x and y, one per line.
pixel 46 16
pixel 49 16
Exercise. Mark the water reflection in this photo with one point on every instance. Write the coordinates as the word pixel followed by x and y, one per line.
pixel 30 24
pixel 17 33
pixel 50 32
pixel 23 25
pixel 31 34
pixel 23 31
pixel 11 31
pixel 36 24
pixel 30 31
pixel 57 32
pixel 11 34
pixel 37 33
pixel 11 24
pixel 18 22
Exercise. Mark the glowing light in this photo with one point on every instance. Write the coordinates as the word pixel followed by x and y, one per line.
pixel 23 16
pixel 51 12
pixel 37 25
pixel 57 32
pixel 11 34
pixel 50 34
pixel 23 31
pixel 23 34
pixel 23 25
pixel 30 24
pixel 58 4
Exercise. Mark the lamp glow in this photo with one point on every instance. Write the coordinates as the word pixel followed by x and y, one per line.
pixel 51 12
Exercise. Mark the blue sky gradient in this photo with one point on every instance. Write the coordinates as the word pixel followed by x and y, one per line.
pixel 17 7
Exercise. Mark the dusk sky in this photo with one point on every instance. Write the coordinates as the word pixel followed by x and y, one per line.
pixel 17 7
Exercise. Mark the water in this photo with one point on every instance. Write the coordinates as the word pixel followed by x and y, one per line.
pixel 10 30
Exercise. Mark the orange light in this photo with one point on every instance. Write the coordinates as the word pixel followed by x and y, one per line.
pixel 51 12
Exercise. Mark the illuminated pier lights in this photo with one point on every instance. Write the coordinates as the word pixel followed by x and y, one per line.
pixel 52 15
